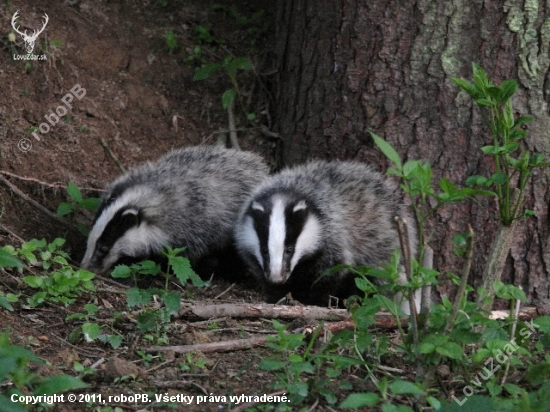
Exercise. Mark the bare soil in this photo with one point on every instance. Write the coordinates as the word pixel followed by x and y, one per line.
pixel 141 100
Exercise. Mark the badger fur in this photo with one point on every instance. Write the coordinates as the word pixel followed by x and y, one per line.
pixel 307 219
pixel 190 197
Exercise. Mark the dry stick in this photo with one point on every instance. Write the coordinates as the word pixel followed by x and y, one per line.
pixel 232 128
pixel 50 185
pixel 11 232
pixel 264 310
pixel 512 334
pixel 497 258
pixel 226 346
pixel 110 153
pixel 224 292
pixel 34 203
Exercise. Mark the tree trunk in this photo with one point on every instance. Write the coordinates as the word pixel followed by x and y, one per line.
pixel 347 67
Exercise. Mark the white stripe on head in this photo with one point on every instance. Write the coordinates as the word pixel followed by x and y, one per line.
pixel 129 197
pixel 248 238
pixel 138 241
pixel 308 240
pixel 276 241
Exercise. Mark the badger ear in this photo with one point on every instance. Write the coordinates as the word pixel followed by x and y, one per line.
pixel 301 205
pixel 129 218
pixel 257 206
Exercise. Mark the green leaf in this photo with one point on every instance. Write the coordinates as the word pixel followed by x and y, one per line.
pixel 5 304
pixel 91 203
pixel 499 178
pixel 522 120
pixel 206 71
pixel 8 260
pixel 478 181
pixel 447 186
pixel 91 308
pixel 121 271
pixel 74 192
pixel 485 102
pixel 34 281
pixel 115 341
pixel 228 97
pixel 360 400
pixel 507 90
pixel 468 87
pixel 241 63
pixel 405 388
pixel 91 331
pixel 135 297
pixel 450 350
pixel 184 272
pixel 510 147
pixel 147 321
pixel 272 365
pixel 388 151
pixel 58 384
pixel 172 301
pixel 480 77
pixel 64 209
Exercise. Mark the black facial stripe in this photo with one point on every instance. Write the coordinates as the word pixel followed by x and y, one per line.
pixel 295 222
pixel 261 226
pixel 117 227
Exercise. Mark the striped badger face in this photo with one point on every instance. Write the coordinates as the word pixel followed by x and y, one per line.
pixel 278 232
pixel 122 230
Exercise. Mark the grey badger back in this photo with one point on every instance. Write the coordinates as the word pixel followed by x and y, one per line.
pixel 190 197
pixel 307 219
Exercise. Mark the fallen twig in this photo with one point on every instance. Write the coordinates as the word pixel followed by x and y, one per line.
pixel 34 203
pixel 262 310
pixel 226 346
pixel 50 185
pixel 113 156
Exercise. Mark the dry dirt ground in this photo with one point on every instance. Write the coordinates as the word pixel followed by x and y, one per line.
pixel 141 100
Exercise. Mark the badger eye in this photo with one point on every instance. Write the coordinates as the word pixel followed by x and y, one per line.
pixel 102 249
pixel 289 249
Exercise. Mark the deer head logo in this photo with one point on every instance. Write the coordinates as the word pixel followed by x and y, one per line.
pixel 29 40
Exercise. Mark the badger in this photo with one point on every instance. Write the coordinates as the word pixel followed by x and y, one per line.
pixel 297 224
pixel 190 197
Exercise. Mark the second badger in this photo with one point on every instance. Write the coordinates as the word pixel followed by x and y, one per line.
pixel 190 197
pixel 307 219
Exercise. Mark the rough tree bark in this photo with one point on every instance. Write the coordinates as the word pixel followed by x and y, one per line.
pixel 347 66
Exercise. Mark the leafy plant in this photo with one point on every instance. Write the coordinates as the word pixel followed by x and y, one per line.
pixel 155 320
pixel 230 66
pixel 171 41
pixel 8 260
pixel 77 202
pixel 92 330
pixel 15 362
pixel 495 104
pixel 59 283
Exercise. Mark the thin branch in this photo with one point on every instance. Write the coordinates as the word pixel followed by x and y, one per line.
pixel 50 185
pixel 113 156
pixel 34 203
